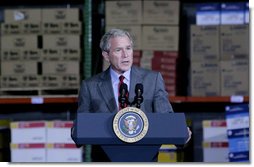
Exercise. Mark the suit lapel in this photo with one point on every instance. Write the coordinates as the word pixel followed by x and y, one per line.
pixel 136 77
pixel 105 86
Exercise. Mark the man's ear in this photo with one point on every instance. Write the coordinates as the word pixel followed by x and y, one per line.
pixel 105 56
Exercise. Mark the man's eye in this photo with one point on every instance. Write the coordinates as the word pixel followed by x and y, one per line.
pixel 129 48
pixel 117 50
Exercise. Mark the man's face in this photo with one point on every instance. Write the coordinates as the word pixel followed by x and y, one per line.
pixel 120 55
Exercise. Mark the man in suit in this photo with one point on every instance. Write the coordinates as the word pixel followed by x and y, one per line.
pixel 100 93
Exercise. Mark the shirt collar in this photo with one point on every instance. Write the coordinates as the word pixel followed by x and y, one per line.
pixel 115 76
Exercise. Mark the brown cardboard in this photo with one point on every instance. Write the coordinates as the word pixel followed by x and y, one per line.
pixel 235 77
pixel 161 12
pixel 205 78
pixel 204 43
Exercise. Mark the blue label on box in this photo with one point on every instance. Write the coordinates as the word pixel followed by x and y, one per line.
pixel 208 7
pixel 236 133
pixel 238 144
pixel 239 156
pixel 208 14
pixel 238 6
pixel 247 13
pixel 232 13
pixel 235 109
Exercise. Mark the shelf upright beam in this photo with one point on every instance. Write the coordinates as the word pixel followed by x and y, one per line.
pixel 87 23
pixel 87 63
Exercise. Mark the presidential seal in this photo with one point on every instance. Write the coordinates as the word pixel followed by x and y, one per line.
pixel 130 124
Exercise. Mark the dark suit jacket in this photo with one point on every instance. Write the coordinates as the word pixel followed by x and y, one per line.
pixel 96 95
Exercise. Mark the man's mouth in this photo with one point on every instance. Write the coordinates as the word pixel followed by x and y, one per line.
pixel 125 62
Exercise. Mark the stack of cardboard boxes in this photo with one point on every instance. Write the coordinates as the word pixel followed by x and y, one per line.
pixel 40 48
pixel 154 26
pixel 220 51
pixel 43 141
pixel 215 141
pixel 238 132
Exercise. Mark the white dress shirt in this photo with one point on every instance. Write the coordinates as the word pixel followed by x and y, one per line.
pixel 115 81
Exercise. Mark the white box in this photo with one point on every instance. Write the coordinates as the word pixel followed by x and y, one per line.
pixel 232 13
pixel 215 152
pixel 60 152
pixel 59 132
pixel 28 132
pixel 208 14
pixel 247 13
pixel 214 130
pixel 27 152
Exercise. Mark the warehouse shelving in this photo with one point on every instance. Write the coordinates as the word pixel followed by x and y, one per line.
pixel 94 27
pixel 73 99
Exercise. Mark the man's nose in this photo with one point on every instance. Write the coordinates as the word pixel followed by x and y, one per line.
pixel 125 53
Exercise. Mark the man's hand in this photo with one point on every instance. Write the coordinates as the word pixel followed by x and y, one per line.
pixel 190 133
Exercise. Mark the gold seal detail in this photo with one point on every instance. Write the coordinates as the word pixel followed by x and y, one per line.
pixel 130 124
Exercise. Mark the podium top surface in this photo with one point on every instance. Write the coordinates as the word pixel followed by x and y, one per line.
pixel 97 128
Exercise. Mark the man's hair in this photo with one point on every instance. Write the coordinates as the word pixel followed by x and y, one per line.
pixel 105 44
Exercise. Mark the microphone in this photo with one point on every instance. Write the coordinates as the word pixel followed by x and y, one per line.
pixel 123 98
pixel 139 91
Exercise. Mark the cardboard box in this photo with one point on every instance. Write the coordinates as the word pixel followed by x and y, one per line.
pixel 215 152
pixel 10 54
pixel 161 38
pixel 161 12
pixel 208 14
pixel 31 28
pixel 28 132
pixel 60 15
pixel 238 121
pixel 22 15
pixel 61 41
pixel 205 78
pixel 246 13
pixel 123 12
pixel 232 13
pixel 60 67
pixel 204 43
pixel 215 130
pixel 51 55
pixel 20 82
pixel 234 42
pixel 167 153
pixel 21 55
pixel 72 28
pixel 51 27
pixel 10 28
pixel 234 77
pixel 28 152
pixel 19 42
pixel 62 152
pixel 59 132
pixel 64 81
pixel 18 67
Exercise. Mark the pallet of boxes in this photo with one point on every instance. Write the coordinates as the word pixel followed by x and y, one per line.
pixel 43 141
pixel 40 51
